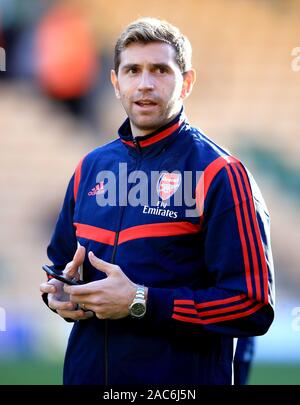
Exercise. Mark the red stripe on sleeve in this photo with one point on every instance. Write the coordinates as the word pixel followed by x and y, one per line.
pixel 218 319
pixel 241 208
pixel 258 236
pixel 241 233
pixel 211 303
pixel 186 310
pixel 215 311
pixel 249 233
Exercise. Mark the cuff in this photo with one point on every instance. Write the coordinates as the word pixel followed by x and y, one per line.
pixel 160 305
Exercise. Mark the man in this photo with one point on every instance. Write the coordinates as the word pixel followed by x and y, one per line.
pixel 173 279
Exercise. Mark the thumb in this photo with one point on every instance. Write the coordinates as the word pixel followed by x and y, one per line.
pixel 101 265
pixel 72 267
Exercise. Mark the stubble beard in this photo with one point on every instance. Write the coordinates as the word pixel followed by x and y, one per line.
pixel 160 119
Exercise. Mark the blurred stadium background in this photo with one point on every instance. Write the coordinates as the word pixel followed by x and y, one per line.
pixel 56 104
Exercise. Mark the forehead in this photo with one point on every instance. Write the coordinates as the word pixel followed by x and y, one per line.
pixel 149 53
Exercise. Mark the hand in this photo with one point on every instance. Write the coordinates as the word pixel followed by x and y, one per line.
pixel 109 298
pixel 58 299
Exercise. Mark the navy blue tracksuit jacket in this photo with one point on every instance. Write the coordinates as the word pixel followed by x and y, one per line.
pixel 210 274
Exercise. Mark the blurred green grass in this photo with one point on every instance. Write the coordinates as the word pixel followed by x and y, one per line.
pixel 275 374
pixel 38 372
pixel 26 372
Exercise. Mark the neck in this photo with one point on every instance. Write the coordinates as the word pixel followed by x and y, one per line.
pixel 139 131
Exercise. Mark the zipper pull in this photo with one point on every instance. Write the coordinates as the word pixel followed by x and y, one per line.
pixel 136 144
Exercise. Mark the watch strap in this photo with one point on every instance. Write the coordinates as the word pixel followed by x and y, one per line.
pixel 140 293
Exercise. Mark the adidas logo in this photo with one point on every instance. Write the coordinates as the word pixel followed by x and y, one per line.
pixel 98 189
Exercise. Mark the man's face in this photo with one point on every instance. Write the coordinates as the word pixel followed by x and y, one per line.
pixel 150 85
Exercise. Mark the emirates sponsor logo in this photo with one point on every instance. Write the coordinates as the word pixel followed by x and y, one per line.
pixel 161 210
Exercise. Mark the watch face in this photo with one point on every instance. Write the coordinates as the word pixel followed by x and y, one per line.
pixel 138 309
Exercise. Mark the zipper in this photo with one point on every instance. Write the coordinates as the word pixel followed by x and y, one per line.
pixel 137 145
pixel 138 161
pixel 112 260
pixel 113 256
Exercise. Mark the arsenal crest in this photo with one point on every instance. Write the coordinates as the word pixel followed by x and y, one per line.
pixel 168 184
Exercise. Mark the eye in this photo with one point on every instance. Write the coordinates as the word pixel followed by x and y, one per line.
pixel 133 70
pixel 161 69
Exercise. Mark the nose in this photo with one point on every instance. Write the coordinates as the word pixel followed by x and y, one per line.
pixel 146 82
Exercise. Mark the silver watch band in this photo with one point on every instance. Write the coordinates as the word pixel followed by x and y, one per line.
pixel 140 292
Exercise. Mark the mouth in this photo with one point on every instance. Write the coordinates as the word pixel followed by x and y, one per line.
pixel 145 103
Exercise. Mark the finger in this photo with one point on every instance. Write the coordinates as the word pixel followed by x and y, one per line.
pixel 84 290
pixel 79 256
pixel 60 305
pixel 78 298
pixel 72 267
pixel 101 265
pixel 47 288
pixel 76 315
pixel 76 291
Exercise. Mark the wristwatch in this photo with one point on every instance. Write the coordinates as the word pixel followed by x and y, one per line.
pixel 138 307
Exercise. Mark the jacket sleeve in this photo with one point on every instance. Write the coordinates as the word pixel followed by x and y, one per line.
pixel 239 300
pixel 63 243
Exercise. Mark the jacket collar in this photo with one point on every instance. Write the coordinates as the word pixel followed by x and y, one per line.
pixel 152 143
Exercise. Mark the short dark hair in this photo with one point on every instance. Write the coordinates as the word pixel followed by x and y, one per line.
pixel 148 29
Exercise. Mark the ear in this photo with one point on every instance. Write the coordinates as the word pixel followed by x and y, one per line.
pixel 189 78
pixel 115 83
